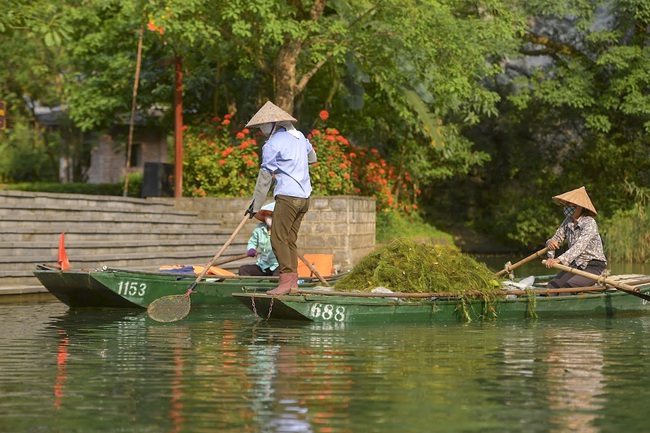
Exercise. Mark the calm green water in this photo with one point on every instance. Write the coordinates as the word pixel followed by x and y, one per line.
pixel 221 370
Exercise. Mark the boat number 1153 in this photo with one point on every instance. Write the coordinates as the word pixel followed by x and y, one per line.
pixel 328 312
pixel 131 288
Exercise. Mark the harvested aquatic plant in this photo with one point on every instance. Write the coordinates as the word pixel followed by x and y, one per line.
pixel 420 267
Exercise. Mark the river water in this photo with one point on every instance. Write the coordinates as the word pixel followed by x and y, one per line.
pixel 222 370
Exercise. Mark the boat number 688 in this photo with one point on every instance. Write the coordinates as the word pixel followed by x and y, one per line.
pixel 131 288
pixel 328 312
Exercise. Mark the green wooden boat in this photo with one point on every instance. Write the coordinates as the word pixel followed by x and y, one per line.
pixel 76 289
pixel 350 307
pixel 140 288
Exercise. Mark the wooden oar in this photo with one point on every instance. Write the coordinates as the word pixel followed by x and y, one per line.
pixel 539 253
pixel 232 259
pixel 175 307
pixel 313 269
pixel 450 294
pixel 620 286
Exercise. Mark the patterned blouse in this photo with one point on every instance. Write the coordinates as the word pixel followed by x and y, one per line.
pixel 585 243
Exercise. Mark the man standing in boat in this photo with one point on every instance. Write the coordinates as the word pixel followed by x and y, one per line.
pixel 286 156
pixel 585 246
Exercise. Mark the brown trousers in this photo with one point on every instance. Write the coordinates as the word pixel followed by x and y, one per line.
pixel 566 279
pixel 287 217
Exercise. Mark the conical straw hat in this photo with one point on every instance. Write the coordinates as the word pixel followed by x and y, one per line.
pixel 266 210
pixel 577 197
pixel 269 113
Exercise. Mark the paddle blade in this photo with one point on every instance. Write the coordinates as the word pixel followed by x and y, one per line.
pixel 169 308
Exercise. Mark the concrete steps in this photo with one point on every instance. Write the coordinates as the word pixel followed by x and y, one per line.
pixel 104 231
pixel 92 232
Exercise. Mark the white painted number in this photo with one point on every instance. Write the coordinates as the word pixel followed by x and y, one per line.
pixel 131 288
pixel 328 312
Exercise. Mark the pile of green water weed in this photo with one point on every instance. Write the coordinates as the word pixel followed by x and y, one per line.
pixel 410 266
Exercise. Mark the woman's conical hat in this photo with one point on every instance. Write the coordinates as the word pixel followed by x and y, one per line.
pixel 269 113
pixel 576 197
pixel 265 211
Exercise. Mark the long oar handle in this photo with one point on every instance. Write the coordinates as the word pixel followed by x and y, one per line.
pixel 539 253
pixel 216 256
pixel 620 286
pixel 313 269
pixel 517 293
pixel 232 259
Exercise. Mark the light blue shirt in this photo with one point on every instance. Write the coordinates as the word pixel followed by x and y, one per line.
pixel 286 156
pixel 261 240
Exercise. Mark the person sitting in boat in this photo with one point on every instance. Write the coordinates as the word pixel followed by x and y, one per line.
pixel 585 246
pixel 267 264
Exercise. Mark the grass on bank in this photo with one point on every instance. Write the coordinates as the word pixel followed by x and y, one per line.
pixel 626 236
pixel 391 225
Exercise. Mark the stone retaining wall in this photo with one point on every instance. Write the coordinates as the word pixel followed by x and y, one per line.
pixel 340 225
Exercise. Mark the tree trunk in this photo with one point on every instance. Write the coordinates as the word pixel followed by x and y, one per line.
pixel 285 81
pixel 284 74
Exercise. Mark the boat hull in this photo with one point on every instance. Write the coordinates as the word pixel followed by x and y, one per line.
pixel 349 309
pixel 123 288
pixel 76 289
pixel 141 288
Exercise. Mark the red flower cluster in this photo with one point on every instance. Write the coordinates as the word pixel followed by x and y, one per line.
pixel 154 28
pixel 222 162
pixel 359 171
pixel 219 162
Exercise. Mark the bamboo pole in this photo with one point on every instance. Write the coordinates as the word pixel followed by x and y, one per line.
pixel 533 256
pixel 133 106
pixel 620 286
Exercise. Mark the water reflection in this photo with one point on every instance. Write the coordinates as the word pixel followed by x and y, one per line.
pixel 61 361
pixel 575 363
pixel 225 371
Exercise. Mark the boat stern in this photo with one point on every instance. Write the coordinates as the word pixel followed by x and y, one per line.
pixel 269 307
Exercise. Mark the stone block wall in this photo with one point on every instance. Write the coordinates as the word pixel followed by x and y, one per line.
pixel 340 225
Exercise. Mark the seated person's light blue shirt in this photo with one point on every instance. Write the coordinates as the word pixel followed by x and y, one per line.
pixel 285 156
pixel 261 239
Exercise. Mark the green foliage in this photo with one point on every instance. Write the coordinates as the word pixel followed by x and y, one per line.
pixel 391 225
pixel 27 155
pixel 481 113
pixel 73 188
pixel 600 71
pixel 219 162
pixel 574 115
pixel 346 169
pixel 334 172
pixel 626 236
pixel 222 162
pixel 424 266
pixel 135 185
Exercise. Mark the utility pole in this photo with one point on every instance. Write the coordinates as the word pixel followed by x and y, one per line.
pixel 178 128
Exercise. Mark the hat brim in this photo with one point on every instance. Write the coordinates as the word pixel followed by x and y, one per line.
pixel 269 113
pixel 576 197
pixel 263 214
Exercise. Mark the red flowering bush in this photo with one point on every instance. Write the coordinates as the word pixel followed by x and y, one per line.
pixel 343 169
pixel 220 162
pixel 332 174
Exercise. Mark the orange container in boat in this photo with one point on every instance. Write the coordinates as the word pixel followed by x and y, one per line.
pixel 321 262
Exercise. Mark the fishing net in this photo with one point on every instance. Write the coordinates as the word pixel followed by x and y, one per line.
pixel 169 308
pixel 410 266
